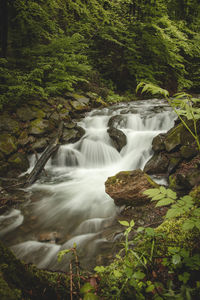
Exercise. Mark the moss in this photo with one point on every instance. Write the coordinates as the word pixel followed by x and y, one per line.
pixel 172 182
pixel 153 183
pixel 176 235
pixel 7 293
pixel 7 144
pixel 29 281
pixel 195 194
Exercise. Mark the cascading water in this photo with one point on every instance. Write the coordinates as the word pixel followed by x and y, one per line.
pixel 70 204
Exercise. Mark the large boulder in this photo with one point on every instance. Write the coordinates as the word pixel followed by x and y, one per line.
pixel 126 188
pixel 118 138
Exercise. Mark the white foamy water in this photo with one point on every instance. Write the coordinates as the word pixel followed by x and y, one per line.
pixel 72 201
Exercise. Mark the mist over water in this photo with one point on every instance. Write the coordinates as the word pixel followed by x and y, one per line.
pixel 70 204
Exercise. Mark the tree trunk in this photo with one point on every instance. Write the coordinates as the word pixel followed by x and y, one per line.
pixel 49 151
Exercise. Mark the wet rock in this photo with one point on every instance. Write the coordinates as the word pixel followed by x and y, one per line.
pixel 158 164
pixel 177 136
pixel 19 161
pixel 118 138
pixel 174 160
pixel 10 125
pixel 114 121
pixel 25 113
pixel 7 144
pixel 51 237
pixel 40 144
pixel 72 135
pixel 126 188
pixel 158 143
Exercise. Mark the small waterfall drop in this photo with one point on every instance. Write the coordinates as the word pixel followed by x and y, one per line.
pixel 70 205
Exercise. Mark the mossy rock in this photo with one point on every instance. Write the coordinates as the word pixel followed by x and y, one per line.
pixel 158 143
pixel 176 235
pixel 39 113
pixel 40 144
pixel 178 136
pixel 19 161
pixel 23 138
pixel 127 187
pixel 78 106
pixel 188 151
pixel 40 127
pixel 27 282
pixel 8 144
pixel 25 113
pixel 9 125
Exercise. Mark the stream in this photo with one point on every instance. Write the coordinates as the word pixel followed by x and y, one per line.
pixel 69 205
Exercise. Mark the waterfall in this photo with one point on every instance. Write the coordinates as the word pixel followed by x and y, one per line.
pixel 70 205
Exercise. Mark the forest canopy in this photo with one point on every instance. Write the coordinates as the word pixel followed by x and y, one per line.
pixel 55 46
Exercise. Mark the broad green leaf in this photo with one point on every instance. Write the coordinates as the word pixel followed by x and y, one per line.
pixel 62 253
pixel 150 288
pixel 124 223
pixel 152 192
pixel 188 225
pixel 90 296
pixel 99 269
pixel 164 202
pixel 171 194
pixel 157 197
pixel 87 287
pixel 172 213
pixel 196 212
pixel 149 231
pixel 197 224
pixel 163 190
pixel 129 272
pixel 176 259
pixel 140 229
pixel 187 198
pixel 139 275
pixel 184 277
pixel 132 223
pixel 117 273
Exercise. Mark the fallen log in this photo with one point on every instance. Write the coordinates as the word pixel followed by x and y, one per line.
pixel 48 152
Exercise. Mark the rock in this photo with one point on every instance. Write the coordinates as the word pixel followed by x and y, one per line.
pixel 118 138
pixel 40 144
pixel 158 164
pixel 158 143
pixel 81 99
pixel 10 125
pixel 78 106
pixel 72 135
pixel 19 161
pixel 7 144
pixel 70 125
pixel 188 151
pixel 40 127
pixel 114 121
pixel 23 138
pixel 174 160
pixel 25 113
pixel 178 136
pixel 126 188
pixel 39 113
pixel 51 237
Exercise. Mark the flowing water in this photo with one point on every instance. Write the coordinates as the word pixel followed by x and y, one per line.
pixel 70 205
